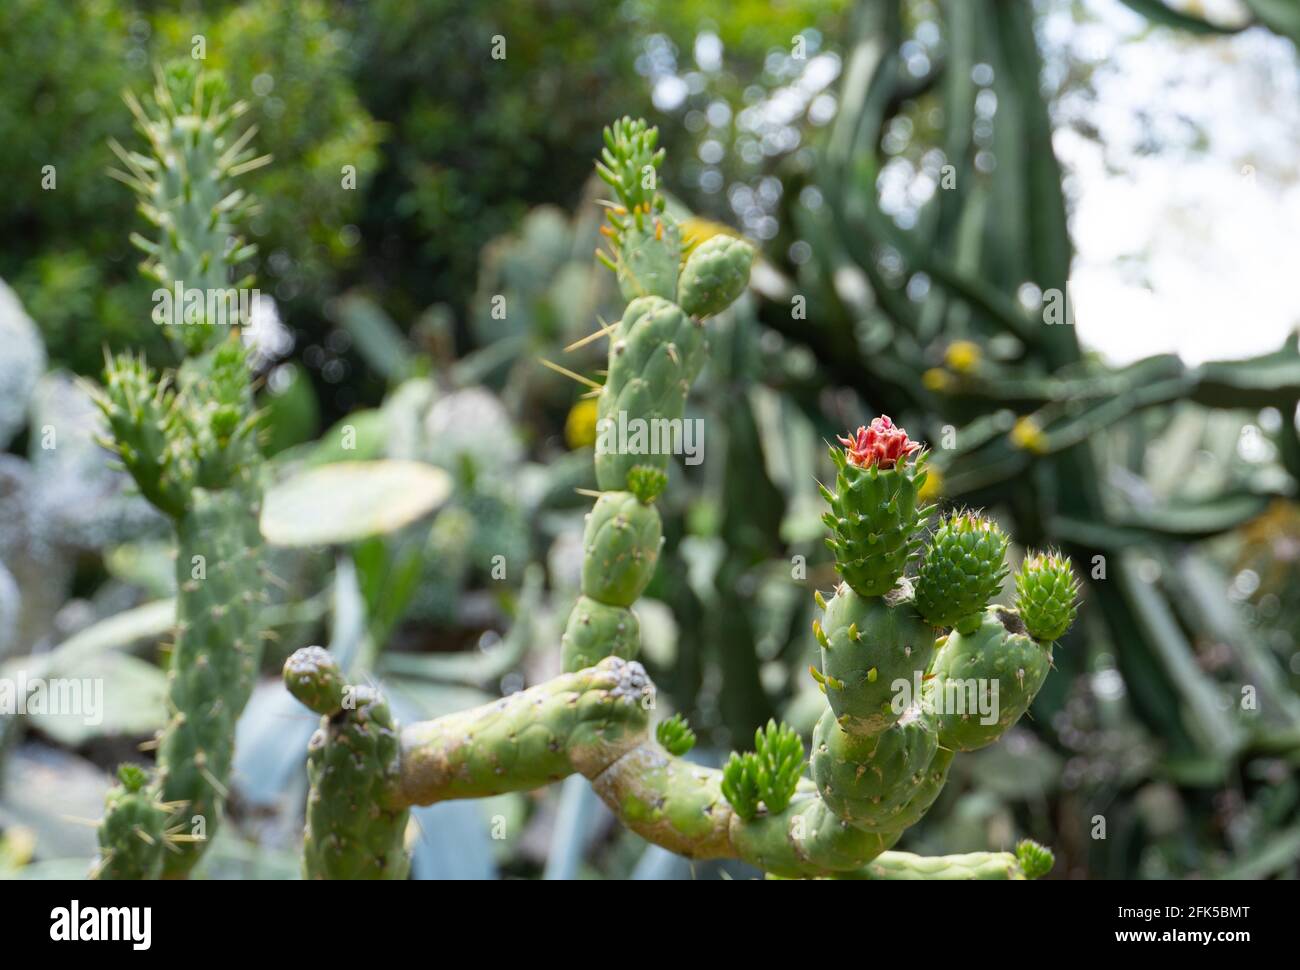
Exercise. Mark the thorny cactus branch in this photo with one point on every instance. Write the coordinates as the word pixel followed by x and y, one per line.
pixel 882 750
pixel 188 439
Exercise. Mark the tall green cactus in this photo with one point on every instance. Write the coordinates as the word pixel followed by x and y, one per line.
pixel 882 750
pixel 188 439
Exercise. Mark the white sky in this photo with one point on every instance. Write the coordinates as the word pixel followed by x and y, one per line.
pixel 1193 247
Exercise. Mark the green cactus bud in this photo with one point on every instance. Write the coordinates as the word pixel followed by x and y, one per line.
pixel 629 164
pixel 313 677
pixel 983 682
pixel 1047 595
pixel 961 571
pixel 868 780
pixel 778 763
pixel 646 483
pixel 655 354
pixel 869 644
pixel 596 631
pixel 675 735
pixel 740 784
pixel 141 414
pixel 356 824
pixel 875 515
pixel 133 831
pixel 769 774
pixel 621 543
pixel 1035 860
pixel 715 275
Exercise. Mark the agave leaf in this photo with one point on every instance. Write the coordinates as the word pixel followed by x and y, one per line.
pixel 349 501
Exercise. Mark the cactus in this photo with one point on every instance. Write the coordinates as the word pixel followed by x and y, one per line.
pixel 880 756
pixel 188 439
pixel 355 825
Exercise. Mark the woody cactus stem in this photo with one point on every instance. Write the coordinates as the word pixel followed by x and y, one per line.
pixel 188 439
pixel 880 756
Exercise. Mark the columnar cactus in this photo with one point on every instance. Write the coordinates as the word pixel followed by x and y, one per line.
pixel 188 440
pixel 880 753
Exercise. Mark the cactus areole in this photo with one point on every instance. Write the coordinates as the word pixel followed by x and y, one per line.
pixel 906 635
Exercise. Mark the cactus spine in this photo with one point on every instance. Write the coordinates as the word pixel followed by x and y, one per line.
pixel 189 441
pixel 878 764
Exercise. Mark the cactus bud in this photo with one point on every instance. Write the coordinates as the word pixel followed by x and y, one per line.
pixel 675 735
pixel 1047 595
pixel 962 570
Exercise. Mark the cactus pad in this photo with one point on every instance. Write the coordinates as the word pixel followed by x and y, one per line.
pixel 715 275
pixel 983 682
pixel 621 542
pixel 596 631
pixel 868 645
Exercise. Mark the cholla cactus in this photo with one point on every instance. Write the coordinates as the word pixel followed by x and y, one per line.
pixel 188 440
pixel 877 764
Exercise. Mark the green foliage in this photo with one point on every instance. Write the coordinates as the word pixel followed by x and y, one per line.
pixel 675 734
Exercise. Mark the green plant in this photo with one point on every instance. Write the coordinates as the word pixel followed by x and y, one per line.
pixel 877 764
pixel 188 439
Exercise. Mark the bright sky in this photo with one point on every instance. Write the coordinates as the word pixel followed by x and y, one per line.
pixel 1185 244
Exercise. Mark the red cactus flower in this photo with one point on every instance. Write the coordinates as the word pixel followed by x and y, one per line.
pixel 883 444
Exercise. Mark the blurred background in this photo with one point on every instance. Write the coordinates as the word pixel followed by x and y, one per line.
pixel 1056 240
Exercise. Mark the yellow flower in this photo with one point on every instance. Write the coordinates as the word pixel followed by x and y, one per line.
pixel 696 230
pixel 580 425
pixel 936 379
pixel 1028 436
pixel 963 356
pixel 933 486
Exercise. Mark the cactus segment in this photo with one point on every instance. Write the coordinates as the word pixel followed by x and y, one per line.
pixel 656 353
pixel 983 682
pixel 133 831
pixel 315 681
pixel 189 441
pixel 715 275
pixel 904 866
pixel 356 823
pixel 869 645
pixel 214 663
pixel 961 571
pixel 577 722
pixel 621 544
pixel 184 191
pixel 867 780
pixel 596 631
pixel 649 254
pixel 1047 595
pixel 875 514
pixel 807 841
pixel 927 792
